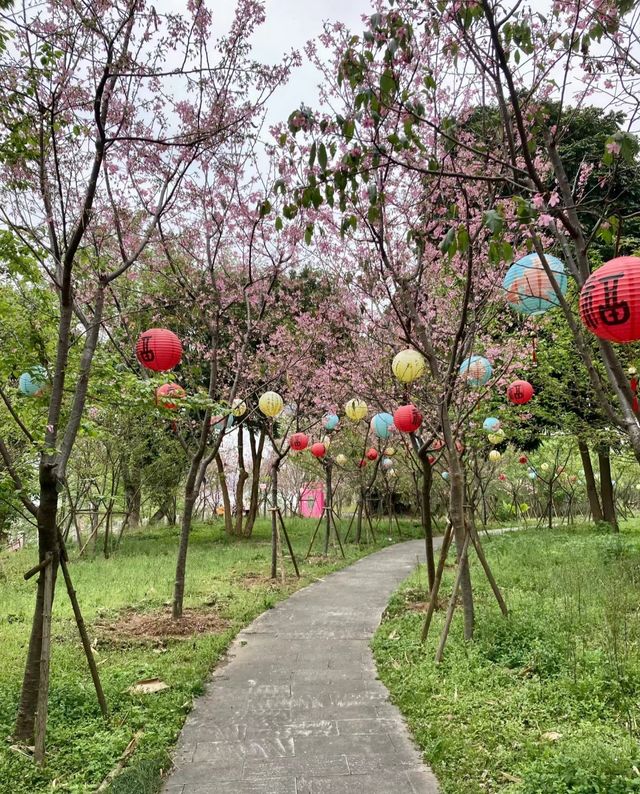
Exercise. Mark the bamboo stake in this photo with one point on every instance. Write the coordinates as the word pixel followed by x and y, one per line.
pixel 483 561
pixel 433 595
pixel 452 601
pixel 45 658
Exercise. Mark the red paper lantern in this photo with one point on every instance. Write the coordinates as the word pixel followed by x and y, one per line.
pixel 502 477
pixel 169 390
pixel 523 459
pixel 298 441
pixel 520 392
pixel 437 444
pixel 407 418
pixel 159 349
pixel 460 447
pixel 432 460
pixel 362 463
pixel 372 454
pixel 318 450
pixel 610 300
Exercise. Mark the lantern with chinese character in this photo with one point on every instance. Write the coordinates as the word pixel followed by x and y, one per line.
pixel 476 370
pixel 318 450
pixel 407 418
pixel 33 382
pixel 491 424
pixel 494 456
pixel 382 425
pixel 372 454
pixel 331 421
pixel 270 403
pixel 520 392
pixel 408 365
pixel 167 393
pixel 298 441
pixel 356 409
pixel 610 300
pixel 528 288
pixel 159 349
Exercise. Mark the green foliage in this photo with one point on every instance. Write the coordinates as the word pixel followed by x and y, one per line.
pixel 544 700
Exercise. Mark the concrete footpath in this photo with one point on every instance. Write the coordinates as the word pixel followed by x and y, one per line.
pixel 297 707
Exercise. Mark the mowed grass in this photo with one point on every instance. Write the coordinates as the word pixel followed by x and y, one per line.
pixel 225 575
pixel 545 701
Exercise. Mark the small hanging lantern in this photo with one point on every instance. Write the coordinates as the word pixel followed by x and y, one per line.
pixel 610 300
pixel 33 382
pixel 407 418
pixel 494 456
pixel 531 474
pixel 408 365
pixel 523 459
pixel 326 440
pixel 356 409
pixel 372 454
pixel 476 371
pixel 502 477
pixel 445 475
pixel 362 463
pixel 299 441
pixel 341 459
pixel 167 393
pixel 389 451
pixel 331 421
pixel 520 392
pixel 386 464
pixel 491 424
pixel 318 450
pixel 382 425
pixel 496 438
pixel 159 349
pixel 270 403
pixel 238 407
pixel 528 288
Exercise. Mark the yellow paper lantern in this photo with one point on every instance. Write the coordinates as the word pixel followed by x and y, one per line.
pixel 326 441
pixel 341 459
pixel 497 437
pixel 238 407
pixel 270 403
pixel 494 456
pixel 408 365
pixel 389 452
pixel 356 409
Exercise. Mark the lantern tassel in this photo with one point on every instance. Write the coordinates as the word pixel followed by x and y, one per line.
pixel 534 351
pixel 634 388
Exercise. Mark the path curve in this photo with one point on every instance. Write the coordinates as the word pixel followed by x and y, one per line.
pixel 297 707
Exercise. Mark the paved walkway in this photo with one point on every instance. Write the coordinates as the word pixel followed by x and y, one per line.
pixel 298 709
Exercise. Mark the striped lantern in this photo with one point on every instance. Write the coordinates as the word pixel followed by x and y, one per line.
pixel 159 349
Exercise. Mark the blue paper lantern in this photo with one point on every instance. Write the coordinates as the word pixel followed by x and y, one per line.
pixel 531 474
pixel 382 425
pixel 491 424
pixel 445 475
pixel 331 421
pixel 33 382
pixel 476 370
pixel 527 286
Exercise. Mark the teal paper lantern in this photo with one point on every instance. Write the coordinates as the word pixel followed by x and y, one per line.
pixel 527 287
pixel 382 425
pixel 33 382
pixel 445 475
pixel 476 370
pixel 331 421
pixel 531 474
pixel 491 424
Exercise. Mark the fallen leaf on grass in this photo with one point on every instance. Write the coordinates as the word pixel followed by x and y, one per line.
pixel 511 778
pixel 147 686
pixel 551 736
pixel 393 636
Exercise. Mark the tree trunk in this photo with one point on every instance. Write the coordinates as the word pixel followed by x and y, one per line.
pixel 328 508
pixel 242 478
pixel 132 494
pixel 47 544
pixel 274 519
pixel 256 463
pixel 590 480
pixel 224 490
pixel 358 535
pixel 606 487
pixel 181 566
pixel 427 480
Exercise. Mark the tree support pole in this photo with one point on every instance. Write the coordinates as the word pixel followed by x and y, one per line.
pixel 452 601
pixel 45 658
pixel 433 595
pixel 483 561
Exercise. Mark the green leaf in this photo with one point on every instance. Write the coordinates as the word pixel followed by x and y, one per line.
pixel 312 155
pixel 493 220
pixel 279 224
pixel 322 156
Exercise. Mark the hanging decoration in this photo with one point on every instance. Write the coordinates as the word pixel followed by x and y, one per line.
pixel 331 421
pixel 497 437
pixel 299 441
pixel 476 370
pixel 159 349
pixel 389 451
pixel 528 288
pixel 502 476
pixel 407 418
pixel 382 425
pixel 318 450
pixel 445 475
pixel 408 365
pixel 610 300
pixel 362 463
pixel 391 474
pixel 167 393
pixel 523 459
pixel 270 403
pixel 494 456
pixel 326 440
pixel 238 407
pixel 221 423
pixel 520 392
pixel 341 459
pixel 491 424
pixel 356 409
pixel 531 474
pixel 386 464
pixel 437 444
pixel 372 454
pixel 33 382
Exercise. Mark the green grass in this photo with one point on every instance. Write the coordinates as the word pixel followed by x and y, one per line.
pixel 81 747
pixel 545 701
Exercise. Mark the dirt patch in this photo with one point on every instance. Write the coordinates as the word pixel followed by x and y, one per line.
pixel 251 580
pixel 155 627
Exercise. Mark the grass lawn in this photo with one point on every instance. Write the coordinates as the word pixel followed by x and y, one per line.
pixel 124 599
pixel 545 701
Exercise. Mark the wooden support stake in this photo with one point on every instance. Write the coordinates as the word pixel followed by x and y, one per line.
pixel 286 537
pixel 45 658
pixel 483 561
pixel 433 595
pixel 452 601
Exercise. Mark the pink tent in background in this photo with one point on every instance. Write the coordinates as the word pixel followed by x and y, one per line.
pixel 312 500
